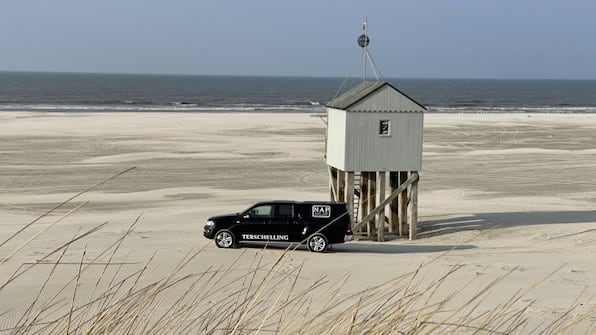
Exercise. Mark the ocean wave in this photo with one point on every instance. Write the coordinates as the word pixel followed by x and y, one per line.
pixel 173 107
pixel 183 104
pixel 134 106
pixel 514 109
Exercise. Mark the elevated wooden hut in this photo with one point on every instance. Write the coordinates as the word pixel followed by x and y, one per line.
pixel 374 138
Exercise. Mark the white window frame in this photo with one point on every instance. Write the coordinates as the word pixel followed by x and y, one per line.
pixel 381 130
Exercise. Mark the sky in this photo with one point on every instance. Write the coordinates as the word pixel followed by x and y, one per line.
pixel 529 39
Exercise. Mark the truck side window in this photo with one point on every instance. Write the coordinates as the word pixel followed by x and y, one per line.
pixel 261 211
pixel 284 211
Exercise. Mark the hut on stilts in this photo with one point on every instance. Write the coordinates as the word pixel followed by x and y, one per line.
pixel 374 155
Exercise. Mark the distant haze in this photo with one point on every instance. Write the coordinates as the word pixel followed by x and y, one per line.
pixel 548 39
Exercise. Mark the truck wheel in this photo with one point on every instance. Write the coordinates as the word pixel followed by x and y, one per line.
pixel 317 243
pixel 224 239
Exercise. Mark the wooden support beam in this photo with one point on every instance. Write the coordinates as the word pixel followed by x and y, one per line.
pixel 394 204
pixel 380 198
pixel 363 210
pixel 373 212
pixel 413 207
pixel 371 197
pixel 341 184
pixel 332 182
pixel 402 203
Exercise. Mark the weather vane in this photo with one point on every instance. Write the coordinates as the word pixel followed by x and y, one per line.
pixel 363 41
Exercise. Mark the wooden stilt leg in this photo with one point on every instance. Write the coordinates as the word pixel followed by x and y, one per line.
pixel 394 204
pixel 380 197
pixel 332 183
pixel 372 183
pixel 340 188
pixel 402 202
pixel 413 209
pixel 363 210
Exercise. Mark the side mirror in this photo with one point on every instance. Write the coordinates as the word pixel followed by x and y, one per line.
pixel 249 214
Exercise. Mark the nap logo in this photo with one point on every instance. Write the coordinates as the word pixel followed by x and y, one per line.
pixel 321 211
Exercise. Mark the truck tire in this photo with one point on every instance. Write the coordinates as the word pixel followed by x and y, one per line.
pixel 224 239
pixel 317 243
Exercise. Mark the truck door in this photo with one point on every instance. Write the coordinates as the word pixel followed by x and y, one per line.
pixel 254 223
pixel 289 222
pixel 280 224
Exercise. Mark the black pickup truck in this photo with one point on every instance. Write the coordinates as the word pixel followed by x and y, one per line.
pixel 318 224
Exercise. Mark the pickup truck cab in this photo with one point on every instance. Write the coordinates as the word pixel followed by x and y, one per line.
pixel 318 224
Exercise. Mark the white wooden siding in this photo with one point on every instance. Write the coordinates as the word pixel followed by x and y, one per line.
pixel 366 150
pixel 353 140
pixel 336 138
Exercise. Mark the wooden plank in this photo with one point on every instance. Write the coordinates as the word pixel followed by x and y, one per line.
pixel 372 187
pixel 341 184
pixel 363 210
pixel 394 204
pixel 332 182
pixel 373 212
pixel 413 208
pixel 380 198
pixel 402 202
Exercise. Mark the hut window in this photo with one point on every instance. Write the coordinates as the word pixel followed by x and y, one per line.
pixel 384 127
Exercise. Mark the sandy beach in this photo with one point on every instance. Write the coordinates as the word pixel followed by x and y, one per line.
pixel 510 195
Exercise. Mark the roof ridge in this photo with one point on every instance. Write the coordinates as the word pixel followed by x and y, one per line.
pixel 360 92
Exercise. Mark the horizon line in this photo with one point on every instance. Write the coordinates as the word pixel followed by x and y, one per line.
pixel 285 75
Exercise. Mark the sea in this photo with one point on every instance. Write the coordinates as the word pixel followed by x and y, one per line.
pixel 79 92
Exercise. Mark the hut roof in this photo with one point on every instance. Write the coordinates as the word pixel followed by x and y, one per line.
pixel 362 91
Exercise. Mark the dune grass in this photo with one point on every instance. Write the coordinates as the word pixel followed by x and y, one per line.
pixel 106 294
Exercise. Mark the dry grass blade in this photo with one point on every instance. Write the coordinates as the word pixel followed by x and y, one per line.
pixel 259 291
pixel 66 202
pixel 15 251
pixel 20 271
pixel 354 316
pixel 115 247
pixel 477 296
pixel 74 293
pixel 288 297
pixel 27 318
pixel 434 289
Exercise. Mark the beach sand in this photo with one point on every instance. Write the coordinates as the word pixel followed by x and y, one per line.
pixel 500 195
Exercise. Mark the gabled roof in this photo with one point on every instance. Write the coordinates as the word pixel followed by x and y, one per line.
pixel 360 92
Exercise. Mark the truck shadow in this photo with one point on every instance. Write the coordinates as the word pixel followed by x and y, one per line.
pixel 486 221
pixel 364 247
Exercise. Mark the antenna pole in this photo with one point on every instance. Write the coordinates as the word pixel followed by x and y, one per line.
pixel 363 42
pixel 365 28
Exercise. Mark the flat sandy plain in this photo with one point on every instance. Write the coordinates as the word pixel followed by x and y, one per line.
pixel 500 194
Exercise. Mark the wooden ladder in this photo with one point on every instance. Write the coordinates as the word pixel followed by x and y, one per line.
pixel 357 195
